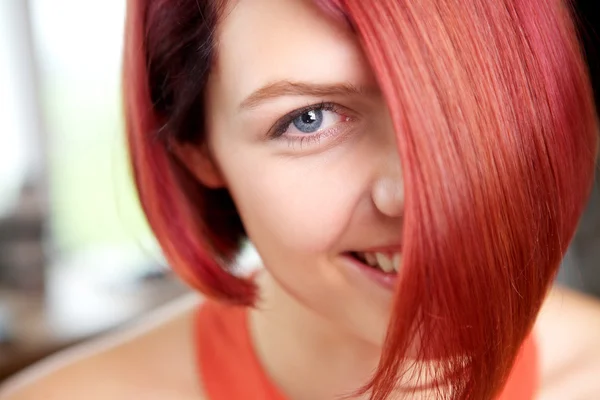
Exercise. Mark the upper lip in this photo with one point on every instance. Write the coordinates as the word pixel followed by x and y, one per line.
pixel 382 249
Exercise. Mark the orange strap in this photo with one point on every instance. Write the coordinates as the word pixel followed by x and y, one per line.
pixel 524 378
pixel 230 369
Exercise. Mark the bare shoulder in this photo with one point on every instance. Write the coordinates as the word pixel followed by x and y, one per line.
pixel 155 359
pixel 568 334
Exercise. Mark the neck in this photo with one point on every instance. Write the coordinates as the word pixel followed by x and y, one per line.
pixel 304 354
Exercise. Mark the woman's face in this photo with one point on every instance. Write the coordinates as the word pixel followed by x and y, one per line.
pixel 303 140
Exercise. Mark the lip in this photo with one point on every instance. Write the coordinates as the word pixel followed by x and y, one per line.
pixel 375 275
pixel 382 249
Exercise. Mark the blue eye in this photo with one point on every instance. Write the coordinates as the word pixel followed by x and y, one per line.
pixel 309 122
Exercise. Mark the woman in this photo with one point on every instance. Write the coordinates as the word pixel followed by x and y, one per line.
pixel 410 172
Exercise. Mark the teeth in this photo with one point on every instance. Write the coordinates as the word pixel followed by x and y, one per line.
pixel 384 262
pixel 371 259
pixel 396 261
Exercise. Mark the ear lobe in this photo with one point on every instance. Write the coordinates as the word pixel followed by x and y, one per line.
pixel 197 159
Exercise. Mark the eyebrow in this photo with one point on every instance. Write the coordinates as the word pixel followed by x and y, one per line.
pixel 287 88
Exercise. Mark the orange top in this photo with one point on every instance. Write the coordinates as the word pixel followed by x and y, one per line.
pixel 231 370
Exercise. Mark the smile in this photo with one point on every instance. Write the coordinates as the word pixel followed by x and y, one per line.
pixel 379 266
pixel 389 263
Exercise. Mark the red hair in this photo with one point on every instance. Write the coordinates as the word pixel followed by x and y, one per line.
pixel 496 130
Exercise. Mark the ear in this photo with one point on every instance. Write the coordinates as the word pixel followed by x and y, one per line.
pixel 198 160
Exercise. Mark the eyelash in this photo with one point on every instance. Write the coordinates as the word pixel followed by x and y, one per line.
pixel 279 129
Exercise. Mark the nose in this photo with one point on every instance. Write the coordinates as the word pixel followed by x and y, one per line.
pixel 388 189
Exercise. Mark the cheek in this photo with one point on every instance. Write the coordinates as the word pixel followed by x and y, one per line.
pixel 297 205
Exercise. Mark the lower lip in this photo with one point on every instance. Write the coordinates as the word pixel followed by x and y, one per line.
pixel 387 281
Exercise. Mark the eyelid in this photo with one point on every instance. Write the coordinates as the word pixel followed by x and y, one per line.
pixel 283 123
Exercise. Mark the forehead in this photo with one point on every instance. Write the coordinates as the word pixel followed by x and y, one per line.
pixel 265 41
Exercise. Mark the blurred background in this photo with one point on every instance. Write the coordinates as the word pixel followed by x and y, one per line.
pixel 76 256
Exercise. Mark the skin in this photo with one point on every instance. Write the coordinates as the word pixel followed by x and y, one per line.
pixel 315 311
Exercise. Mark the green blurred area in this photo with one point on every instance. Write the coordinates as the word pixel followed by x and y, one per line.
pixel 92 196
